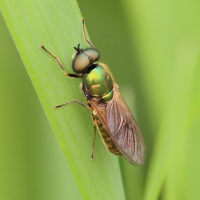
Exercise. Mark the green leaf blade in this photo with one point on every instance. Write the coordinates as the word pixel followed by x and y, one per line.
pixel 57 25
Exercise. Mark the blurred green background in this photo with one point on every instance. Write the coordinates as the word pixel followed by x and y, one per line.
pixel 152 49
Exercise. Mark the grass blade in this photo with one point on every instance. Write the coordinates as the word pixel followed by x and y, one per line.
pixel 57 25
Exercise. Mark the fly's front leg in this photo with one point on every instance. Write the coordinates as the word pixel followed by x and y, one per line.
pixel 60 64
pixel 84 35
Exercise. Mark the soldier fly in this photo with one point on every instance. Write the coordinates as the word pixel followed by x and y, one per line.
pixel 110 114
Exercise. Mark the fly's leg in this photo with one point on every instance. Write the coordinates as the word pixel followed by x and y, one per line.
pixel 60 64
pixel 93 117
pixel 95 129
pixel 83 30
pixel 74 101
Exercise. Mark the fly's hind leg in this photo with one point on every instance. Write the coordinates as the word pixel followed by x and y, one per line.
pixel 95 130
pixel 93 117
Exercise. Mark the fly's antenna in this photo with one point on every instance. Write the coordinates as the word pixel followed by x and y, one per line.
pixel 83 30
pixel 77 48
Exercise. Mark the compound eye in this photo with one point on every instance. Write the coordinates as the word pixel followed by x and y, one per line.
pixel 93 54
pixel 80 63
pixel 83 59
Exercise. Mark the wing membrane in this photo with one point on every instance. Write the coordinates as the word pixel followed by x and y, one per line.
pixel 124 131
pixel 121 126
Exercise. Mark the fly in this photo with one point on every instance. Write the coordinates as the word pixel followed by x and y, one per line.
pixel 110 114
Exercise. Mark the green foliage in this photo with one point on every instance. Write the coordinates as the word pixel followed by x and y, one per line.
pixel 57 25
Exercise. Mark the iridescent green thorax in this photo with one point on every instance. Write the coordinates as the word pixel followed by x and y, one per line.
pixel 99 83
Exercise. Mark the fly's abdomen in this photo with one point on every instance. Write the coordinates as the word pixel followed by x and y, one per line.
pixel 107 139
pixel 99 83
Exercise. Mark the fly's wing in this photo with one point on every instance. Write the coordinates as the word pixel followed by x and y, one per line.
pixel 121 126
pixel 123 129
